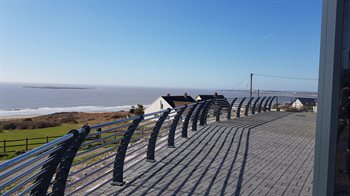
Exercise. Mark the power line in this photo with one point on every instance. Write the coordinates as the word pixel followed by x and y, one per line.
pixel 285 77
pixel 238 84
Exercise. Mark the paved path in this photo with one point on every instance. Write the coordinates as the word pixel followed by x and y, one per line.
pixel 265 154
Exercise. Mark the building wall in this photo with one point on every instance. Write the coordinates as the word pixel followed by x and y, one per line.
pixel 342 157
pixel 297 104
pixel 331 165
pixel 156 106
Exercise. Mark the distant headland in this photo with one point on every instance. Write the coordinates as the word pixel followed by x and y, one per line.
pixel 59 87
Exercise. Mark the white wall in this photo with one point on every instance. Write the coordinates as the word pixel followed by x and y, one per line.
pixel 297 104
pixel 155 106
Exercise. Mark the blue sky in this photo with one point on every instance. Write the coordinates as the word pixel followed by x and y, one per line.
pixel 185 44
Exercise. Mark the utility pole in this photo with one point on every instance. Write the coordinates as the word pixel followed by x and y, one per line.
pixel 251 85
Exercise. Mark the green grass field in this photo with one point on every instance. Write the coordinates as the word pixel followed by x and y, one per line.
pixel 14 148
pixel 44 135
pixel 33 143
pixel 51 131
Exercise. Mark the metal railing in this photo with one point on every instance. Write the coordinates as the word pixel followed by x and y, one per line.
pixel 25 144
pixel 84 160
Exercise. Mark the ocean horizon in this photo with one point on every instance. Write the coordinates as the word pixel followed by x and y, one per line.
pixel 24 99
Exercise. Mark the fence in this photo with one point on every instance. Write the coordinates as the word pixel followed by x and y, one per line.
pixel 74 164
pixel 24 144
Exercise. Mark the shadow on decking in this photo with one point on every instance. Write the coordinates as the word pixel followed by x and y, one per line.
pixel 210 141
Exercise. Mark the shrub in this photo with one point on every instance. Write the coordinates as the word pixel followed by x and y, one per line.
pixel 291 109
pixel 137 110
pixel 24 126
pixel 3 155
pixel 19 152
pixel 115 116
pixel 9 126
pixel 69 120
pixel 42 124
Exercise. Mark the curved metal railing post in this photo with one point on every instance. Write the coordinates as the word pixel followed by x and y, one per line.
pixel 260 104
pixel 246 111
pixel 196 115
pixel 43 180
pixel 204 114
pixel 238 113
pixel 254 105
pixel 153 139
pixel 187 120
pixel 59 184
pixel 171 138
pixel 267 101
pixel 217 111
pixel 207 112
pixel 229 109
pixel 120 156
pixel 270 104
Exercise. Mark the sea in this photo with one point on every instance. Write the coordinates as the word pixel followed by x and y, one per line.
pixel 24 99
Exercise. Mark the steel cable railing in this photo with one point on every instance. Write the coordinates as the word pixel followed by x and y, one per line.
pixel 74 162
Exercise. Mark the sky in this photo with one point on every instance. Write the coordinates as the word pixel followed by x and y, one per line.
pixel 213 44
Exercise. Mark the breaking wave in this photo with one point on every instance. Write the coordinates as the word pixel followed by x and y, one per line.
pixel 51 110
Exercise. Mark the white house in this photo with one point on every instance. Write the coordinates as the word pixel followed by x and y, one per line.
pixel 168 101
pixel 301 102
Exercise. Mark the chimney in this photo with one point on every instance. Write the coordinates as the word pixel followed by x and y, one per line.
pixel 185 95
pixel 215 95
pixel 168 95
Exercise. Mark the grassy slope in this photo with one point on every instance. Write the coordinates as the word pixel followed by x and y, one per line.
pixel 37 133
pixel 51 131
pixel 34 133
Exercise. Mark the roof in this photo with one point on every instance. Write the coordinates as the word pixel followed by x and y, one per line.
pixel 306 101
pixel 175 101
pixel 206 97
pixel 222 103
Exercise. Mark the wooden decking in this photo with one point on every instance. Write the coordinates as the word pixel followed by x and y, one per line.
pixel 266 154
